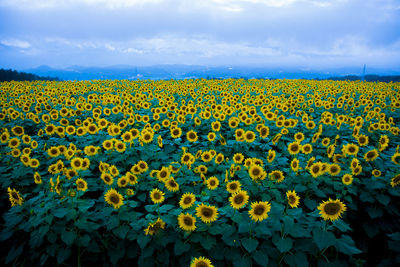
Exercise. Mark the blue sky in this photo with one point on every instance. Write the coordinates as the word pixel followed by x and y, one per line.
pixel 307 34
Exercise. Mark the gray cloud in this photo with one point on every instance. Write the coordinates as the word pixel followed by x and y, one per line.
pixel 271 32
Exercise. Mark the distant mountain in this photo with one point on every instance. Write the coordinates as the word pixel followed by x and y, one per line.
pixel 13 75
pixel 177 71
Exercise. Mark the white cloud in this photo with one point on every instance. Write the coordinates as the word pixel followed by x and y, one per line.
pixel 44 4
pixel 16 43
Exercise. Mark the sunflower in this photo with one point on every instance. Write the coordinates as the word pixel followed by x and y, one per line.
pixel 347 179
pixel 53 152
pixel 76 163
pixel 14 197
pixel 207 213
pixel 108 144
pixel 259 210
pixel 331 209
pixel 277 176
pixel 132 179
pixel 201 262
pixel 271 155
pixel 81 184
pixel 255 172
pixel 130 192
pixel 238 158
pixel 395 180
pixel 294 148
pixel 293 199
pixel 299 136
pixel 17 130
pixel 216 126
pixel 37 178
pixel 371 155
pixel 396 158
pixel 294 165
pixel 239 199
pixel 154 227
pixel 334 169
pixel 120 146
pixel 249 136
pixel 146 136
pixel 325 142
pixel 350 149
pixel 212 183
pixel 264 132
pixel 187 222
pixel 376 173
pixel 107 178
pixel 163 174
pixel 127 137
pixel 357 170
pixel 316 169
pixel 114 198
pixel 157 196
pixel 219 158
pixel 187 200
pixel 306 149
pixel 363 140
pixel 239 135
pixel 206 156
pixel 4 137
pixel 143 166
pixel 211 136
pixel 122 181
pixel 192 136
pixel 233 187
pixel 172 185
pixel 176 132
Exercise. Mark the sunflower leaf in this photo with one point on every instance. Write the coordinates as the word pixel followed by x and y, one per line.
pixel 249 244
pixel 181 247
pixel 323 239
pixel 346 245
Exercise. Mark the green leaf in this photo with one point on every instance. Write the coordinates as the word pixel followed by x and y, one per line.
pixel 374 212
pixel 310 203
pixel 60 213
pixel 341 225
pixel 384 199
pixel 208 242
pixel 283 244
pixel 249 244
pixel 299 259
pixel 323 239
pixel 121 231
pixel 112 222
pixel 63 254
pixel 297 231
pixel 68 237
pixel 166 207
pixel 181 247
pixel 346 245
pixel 261 258
pixel 14 253
pixel 143 240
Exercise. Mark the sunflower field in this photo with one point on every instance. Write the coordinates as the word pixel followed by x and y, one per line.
pixel 200 172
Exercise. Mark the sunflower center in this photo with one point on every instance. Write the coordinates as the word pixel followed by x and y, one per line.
pixel 256 172
pixel 233 187
pixel 207 212
pixel 370 154
pixel 315 169
pixel 292 199
pixel 259 210
pixel 14 195
pixel 212 182
pixel 187 200
pixel 332 208
pixel 238 199
pixel 114 199
pixel 157 195
pixel 352 149
pixel 81 185
pixel 192 136
pixel 188 221
pixel 172 183
pixel 201 264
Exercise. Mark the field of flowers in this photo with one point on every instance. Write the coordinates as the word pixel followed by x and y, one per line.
pixel 200 173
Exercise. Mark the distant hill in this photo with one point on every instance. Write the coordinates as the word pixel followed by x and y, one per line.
pixel 180 71
pixel 13 75
pixel 368 78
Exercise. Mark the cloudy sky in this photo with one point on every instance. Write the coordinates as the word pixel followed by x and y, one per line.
pixel 289 33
